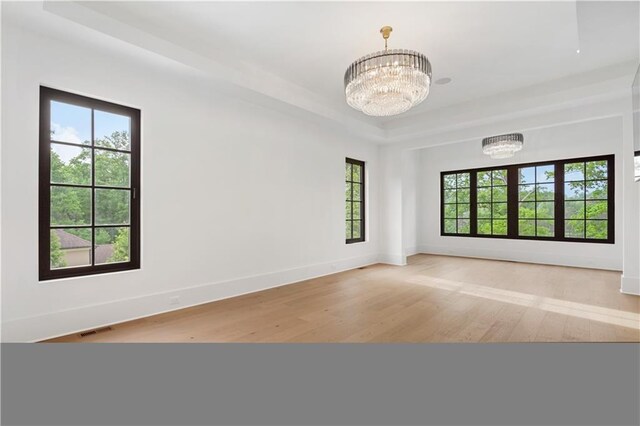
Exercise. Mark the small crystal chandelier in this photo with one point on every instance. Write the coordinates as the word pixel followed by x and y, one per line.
pixel 502 146
pixel 387 82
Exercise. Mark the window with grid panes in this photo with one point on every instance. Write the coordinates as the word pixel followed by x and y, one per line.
pixel 586 200
pixel 561 200
pixel 492 202
pixel 355 203
pixel 457 203
pixel 89 186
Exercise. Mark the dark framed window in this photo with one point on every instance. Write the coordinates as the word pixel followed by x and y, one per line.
pixel 536 201
pixel 562 200
pixel 491 202
pixel 355 200
pixel 457 203
pixel 89 186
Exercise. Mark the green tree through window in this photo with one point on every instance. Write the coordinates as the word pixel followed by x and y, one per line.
pixel 457 203
pixel 89 209
pixel 562 200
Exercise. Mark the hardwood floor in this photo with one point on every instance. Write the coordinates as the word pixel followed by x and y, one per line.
pixel 432 299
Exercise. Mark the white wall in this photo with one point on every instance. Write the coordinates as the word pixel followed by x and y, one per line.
pixel 593 137
pixel 235 197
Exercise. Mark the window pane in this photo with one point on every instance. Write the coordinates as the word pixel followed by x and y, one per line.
pixel 597 209
pixel 356 210
pixel 347 209
pixel 464 210
pixel 499 177
pixel 484 178
pixel 545 173
pixel 527 210
pixel 463 180
pixel 347 191
pixel 112 245
pixel 463 195
pixel 484 226
pixel 545 191
pixel 112 206
pixel 450 226
pixel 357 192
pixel 70 247
pixel 527 175
pixel 597 229
pixel 464 226
pixel 597 170
pixel 356 228
pixel 499 193
pixel 526 228
pixel 112 130
pixel 450 181
pixel 70 206
pixel 499 227
pixel 574 228
pixel 450 196
pixel 597 190
pixel 484 195
pixel 347 172
pixel 500 210
pixel 545 210
pixel 450 211
pixel 574 209
pixel 574 191
pixel 545 228
pixel 70 164
pixel 357 173
pixel 348 230
pixel 484 211
pixel 112 168
pixel 526 192
pixel 574 172
pixel 70 123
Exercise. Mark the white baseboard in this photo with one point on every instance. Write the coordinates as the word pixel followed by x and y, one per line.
pixel 410 251
pixel 393 259
pixel 630 285
pixel 540 257
pixel 47 326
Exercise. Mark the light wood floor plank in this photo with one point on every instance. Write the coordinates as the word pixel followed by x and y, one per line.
pixel 432 299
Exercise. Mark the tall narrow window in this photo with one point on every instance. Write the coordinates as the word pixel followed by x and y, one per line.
pixel 586 198
pixel 89 186
pixel 492 202
pixel 457 203
pixel 536 201
pixel 354 195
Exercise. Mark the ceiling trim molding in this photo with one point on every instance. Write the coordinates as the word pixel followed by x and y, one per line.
pixel 241 76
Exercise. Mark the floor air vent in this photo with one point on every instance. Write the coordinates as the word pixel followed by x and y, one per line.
pixel 96 331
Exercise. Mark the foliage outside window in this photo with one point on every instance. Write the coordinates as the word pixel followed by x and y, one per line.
pixel 457 203
pixel 586 199
pixel 563 200
pixel 89 185
pixel 536 201
pixel 354 196
pixel 492 202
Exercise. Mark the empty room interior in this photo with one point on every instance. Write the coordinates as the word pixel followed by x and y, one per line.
pixel 320 172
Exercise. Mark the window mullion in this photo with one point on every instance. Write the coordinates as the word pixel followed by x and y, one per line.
pixel 512 201
pixel 559 198
pixel 473 203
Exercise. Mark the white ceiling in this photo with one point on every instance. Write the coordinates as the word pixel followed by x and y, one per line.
pixel 487 48
pixel 484 47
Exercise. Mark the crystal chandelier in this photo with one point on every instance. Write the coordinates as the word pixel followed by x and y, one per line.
pixel 387 82
pixel 503 146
